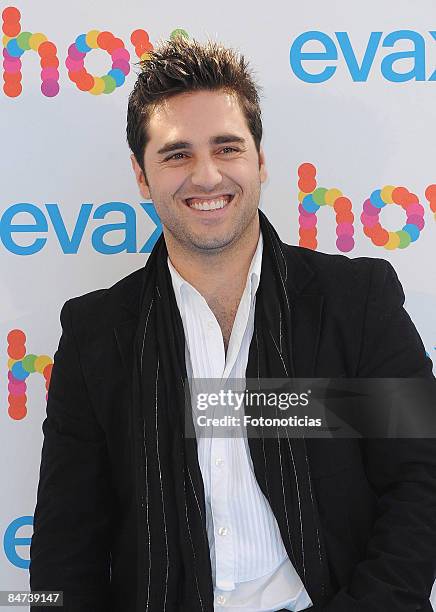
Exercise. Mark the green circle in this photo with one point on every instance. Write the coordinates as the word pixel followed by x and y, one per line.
pixel 23 40
pixel 179 32
pixel 405 239
pixel 109 84
pixel 319 196
pixel 28 363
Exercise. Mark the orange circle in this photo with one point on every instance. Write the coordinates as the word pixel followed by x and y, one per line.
pixel 47 48
pixel 345 217
pixel 138 37
pixel 12 90
pixel 309 244
pixel 12 28
pixel 11 13
pixel 307 170
pixel 17 413
pixel 17 401
pixel 16 351
pixel 400 195
pixel 104 39
pixel 115 43
pixel 342 204
pixel 16 336
pixel 308 233
pixel 307 184
pixel 430 193
pixel 85 82
pixel 49 61
pixel 47 371
pixel 12 77
pixel 380 237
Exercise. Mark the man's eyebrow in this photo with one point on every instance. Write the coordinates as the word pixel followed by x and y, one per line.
pixel 181 144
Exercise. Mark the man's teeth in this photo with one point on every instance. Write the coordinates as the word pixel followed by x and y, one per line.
pixel 209 204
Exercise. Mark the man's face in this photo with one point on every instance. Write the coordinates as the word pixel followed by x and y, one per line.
pixel 201 151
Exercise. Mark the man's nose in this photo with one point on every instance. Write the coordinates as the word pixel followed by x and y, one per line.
pixel 206 174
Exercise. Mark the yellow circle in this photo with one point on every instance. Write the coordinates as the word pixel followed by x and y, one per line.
pixel 98 87
pixel 41 361
pixel 91 39
pixel 36 39
pixel 11 362
pixel 331 195
pixel 145 56
pixel 386 194
pixel 301 196
pixel 393 242
pixel 6 39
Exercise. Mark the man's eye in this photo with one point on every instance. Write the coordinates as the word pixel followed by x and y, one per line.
pixel 231 149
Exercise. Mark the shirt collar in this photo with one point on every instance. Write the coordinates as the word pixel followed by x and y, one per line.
pixel 253 275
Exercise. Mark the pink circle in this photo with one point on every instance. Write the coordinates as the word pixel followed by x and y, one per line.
pixel 10 376
pixel 345 229
pixel 307 222
pixel 73 65
pixel 49 73
pixel 7 55
pixel 17 388
pixel 74 53
pixel 120 54
pixel 415 209
pixel 122 65
pixel 368 220
pixel 50 88
pixel 304 212
pixel 345 243
pixel 12 67
pixel 416 220
pixel 369 208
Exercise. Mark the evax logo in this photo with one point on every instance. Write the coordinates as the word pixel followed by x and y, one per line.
pixel 70 241
pixel 320 65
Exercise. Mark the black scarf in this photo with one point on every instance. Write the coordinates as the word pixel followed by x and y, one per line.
pixel 173 545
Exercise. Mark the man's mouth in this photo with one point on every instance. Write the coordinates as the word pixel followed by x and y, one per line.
pixel 207 204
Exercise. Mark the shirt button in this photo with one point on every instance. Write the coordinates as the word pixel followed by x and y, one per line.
pixel 222 531
pixel 219 462
pixel 221 600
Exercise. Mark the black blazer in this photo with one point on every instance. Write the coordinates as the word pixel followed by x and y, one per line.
pixel 376 498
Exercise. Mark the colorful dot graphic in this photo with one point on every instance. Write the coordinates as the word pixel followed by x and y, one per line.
pixel 142 44
pixel 20 365
pixel 311 198
pixel 106 41
pixel 15 43
pixel 414 220
pixel 430 194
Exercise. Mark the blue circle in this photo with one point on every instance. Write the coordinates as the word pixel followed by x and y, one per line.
pixel 14 49
pixel 81 44
pixel 18 371
pixel 376 199
pixel 412 230
pixel 309 204
pixel 118 75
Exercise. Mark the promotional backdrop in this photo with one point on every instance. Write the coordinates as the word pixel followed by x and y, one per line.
pixel 348 98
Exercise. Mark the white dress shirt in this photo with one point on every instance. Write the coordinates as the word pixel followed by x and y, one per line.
pixel 250 567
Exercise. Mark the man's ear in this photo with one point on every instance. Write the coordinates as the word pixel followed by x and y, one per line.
pixel 140 178
pixel 262 165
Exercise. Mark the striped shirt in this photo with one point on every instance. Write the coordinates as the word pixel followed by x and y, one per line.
pixel 251 570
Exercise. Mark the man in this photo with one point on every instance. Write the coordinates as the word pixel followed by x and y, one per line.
pixel 133 514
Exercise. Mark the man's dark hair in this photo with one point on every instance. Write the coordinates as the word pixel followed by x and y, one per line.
pixel 182 65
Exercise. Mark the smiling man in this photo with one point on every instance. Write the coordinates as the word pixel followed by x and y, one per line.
pixel 135 514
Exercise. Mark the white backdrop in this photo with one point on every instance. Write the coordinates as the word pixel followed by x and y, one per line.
pixel 363 126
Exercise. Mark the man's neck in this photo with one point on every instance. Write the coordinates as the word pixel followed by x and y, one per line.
pixel 221 275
